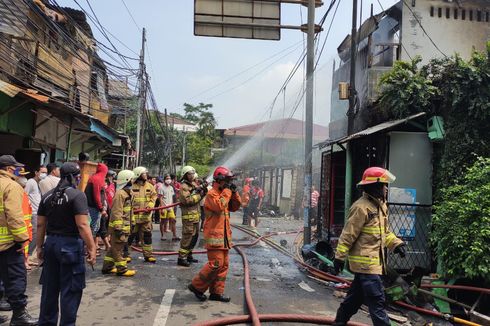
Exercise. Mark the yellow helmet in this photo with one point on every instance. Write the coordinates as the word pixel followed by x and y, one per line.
pixel 123 177
pixel 138 171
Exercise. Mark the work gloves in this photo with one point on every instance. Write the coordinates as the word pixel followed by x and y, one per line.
pixel 338 266
pixel 232 187
pixel 401 250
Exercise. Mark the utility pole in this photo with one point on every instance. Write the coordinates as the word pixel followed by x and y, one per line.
pixel 142 100
pixel 351 111
pixel 169 143
pixel 183 147
pixel 310 66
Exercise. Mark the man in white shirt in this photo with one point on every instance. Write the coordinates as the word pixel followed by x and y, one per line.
pixel 52 180
pixel 34 194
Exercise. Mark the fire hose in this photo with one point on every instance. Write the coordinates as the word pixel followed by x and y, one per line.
pixel 326 276
pixel 256 318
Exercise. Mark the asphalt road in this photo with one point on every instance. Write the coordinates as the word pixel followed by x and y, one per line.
pixel 157 295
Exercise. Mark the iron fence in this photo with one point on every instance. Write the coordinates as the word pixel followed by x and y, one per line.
pixel 411 223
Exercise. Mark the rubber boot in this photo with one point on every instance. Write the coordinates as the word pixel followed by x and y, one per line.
pixel 111 271
pixel 21 317
pixel 199 295
pixel 219 297
pixel 191 259
pixel 129 272
pixel 151 260
pixel 183 262
pixel 4 305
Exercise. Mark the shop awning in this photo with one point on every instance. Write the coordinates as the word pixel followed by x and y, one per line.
pixel 371 130
pixel 105 132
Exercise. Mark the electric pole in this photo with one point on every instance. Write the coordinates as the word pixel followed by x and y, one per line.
pixel 142 100
pixel 310 66
pixel 169 143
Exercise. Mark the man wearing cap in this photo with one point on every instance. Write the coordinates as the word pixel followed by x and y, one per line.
pixel 51 180
pixel 14 238
pixel 63 217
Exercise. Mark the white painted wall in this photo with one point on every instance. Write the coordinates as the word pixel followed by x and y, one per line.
pixel 449 34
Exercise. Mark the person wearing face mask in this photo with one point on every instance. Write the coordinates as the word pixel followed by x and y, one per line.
pixel 14 238
pixel 51 180
pixel 166 193
pixel 26 211
pixel 222 199
pixel 34 194
pixel 63 217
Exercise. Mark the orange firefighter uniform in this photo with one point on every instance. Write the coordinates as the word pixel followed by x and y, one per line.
pixel 145 196
pixel 27 212
pixel 217 239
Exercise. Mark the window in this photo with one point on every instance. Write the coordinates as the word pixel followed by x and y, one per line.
pixel 478 15
pixel 448 13
pixel 488 16
pixel 471 15
pixel 455 13
pixel 463 14
pixel 432 11
pixel 439 12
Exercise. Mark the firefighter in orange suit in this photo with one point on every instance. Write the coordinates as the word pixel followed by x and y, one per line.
pixel 222 199
pixel 362 242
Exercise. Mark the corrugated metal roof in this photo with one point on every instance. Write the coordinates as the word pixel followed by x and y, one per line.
pixel 371 130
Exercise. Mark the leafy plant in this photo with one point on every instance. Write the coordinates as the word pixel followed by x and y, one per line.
pixel 461 225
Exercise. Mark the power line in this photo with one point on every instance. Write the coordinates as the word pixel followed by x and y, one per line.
pixel 130 15
pixel 423 29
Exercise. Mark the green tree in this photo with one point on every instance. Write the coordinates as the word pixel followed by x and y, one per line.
pixel 461 225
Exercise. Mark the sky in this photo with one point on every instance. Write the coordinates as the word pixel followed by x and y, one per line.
pixel 239 77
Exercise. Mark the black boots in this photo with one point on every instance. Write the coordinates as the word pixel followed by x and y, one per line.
pixel 4 305
pixel 199 295
pixel 191 259
pixel 219 297
pixel 183 262
pixel 21 317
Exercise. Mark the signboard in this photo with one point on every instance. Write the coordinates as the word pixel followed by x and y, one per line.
pixel 238 19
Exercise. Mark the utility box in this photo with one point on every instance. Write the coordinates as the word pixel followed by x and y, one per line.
pixel 435 128
pixel 343 91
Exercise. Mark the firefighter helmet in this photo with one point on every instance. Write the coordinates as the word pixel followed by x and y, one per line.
pixel 138 171
pixel 187 169
pixel 376 174
pixel 222 173
pixel 123 177
pixel 248 180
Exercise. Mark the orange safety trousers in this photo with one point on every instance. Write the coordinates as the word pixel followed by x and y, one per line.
pixel 213 275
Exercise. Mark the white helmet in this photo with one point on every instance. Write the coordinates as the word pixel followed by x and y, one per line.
pixel 138 171
pixel 123 178
pixel 187 169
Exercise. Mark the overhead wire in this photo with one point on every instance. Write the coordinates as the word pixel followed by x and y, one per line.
pixel 131 15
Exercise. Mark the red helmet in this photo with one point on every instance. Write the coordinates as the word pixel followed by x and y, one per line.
pixel 221 173
pixel 376 174
pixel 248 180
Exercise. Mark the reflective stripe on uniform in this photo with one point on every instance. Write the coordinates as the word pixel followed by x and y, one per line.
pixel 121 263
pixel 6 238
pixel 214 241
pixel 364 260
pixel 109 259
pixel 146 247
pixel 127 209
pixel 372 230
pixel 389 238
pixel 126 229
pixel 191 216
pixel 18 231
pixel 342 249
pixel 115 223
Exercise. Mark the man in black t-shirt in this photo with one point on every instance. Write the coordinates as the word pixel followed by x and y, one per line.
pixel 63 216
